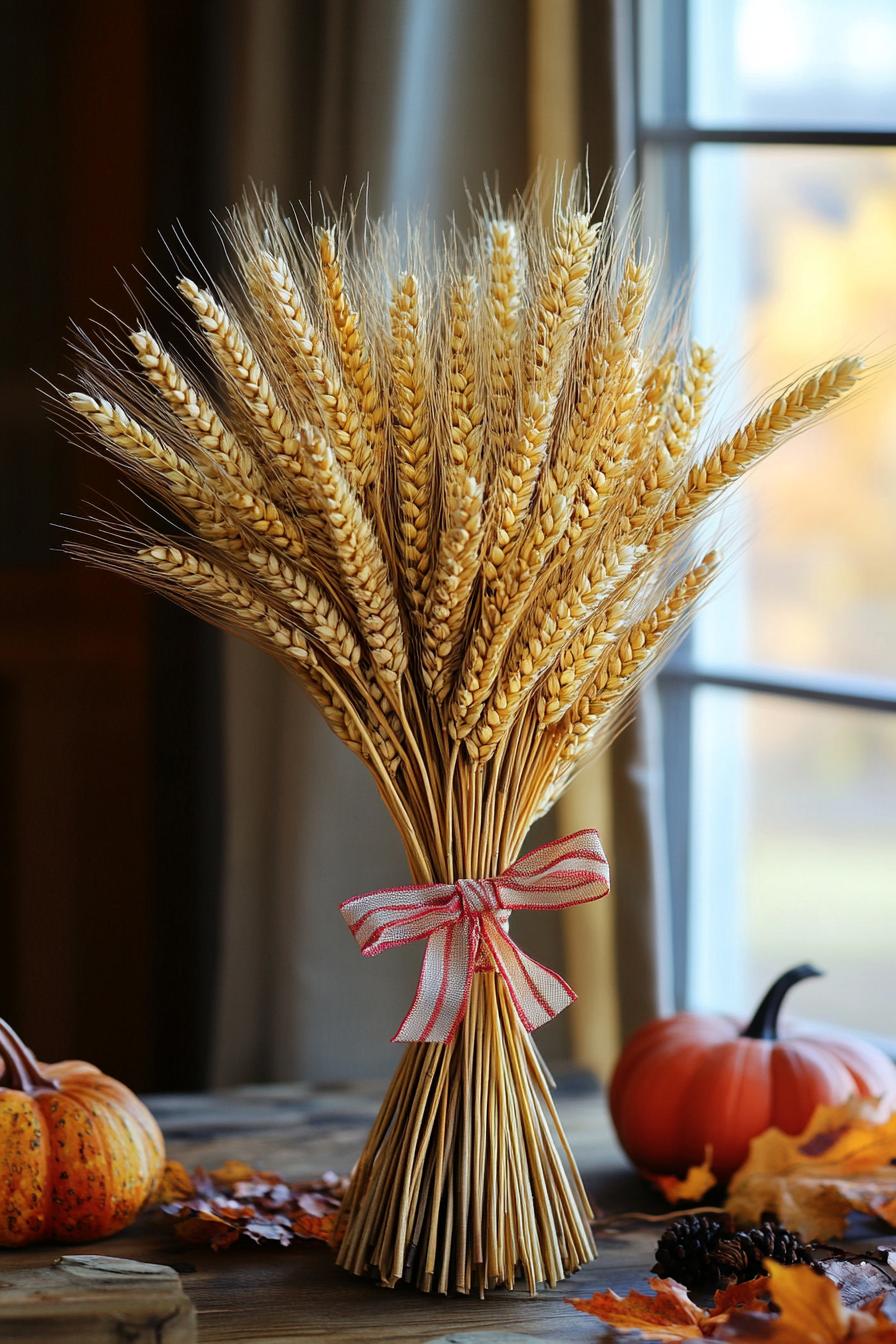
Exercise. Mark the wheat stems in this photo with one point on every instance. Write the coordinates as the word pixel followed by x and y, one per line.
pixel 460 1187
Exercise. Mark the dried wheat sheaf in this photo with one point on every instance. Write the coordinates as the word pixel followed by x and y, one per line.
pixel 452 485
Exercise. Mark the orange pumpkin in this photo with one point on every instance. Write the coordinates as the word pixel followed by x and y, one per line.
pixel 79 1154
pixel 688 1081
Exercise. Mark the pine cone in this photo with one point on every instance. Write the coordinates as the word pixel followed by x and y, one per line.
pixel 740 1257
pixel 705 1252
pixel 685 1249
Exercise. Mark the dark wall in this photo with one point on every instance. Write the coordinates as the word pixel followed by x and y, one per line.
pixel 116 122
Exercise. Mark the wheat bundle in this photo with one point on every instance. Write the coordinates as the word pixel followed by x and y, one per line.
pixel 452 486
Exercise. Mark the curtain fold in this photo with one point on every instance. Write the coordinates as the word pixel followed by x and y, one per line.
pixel 426 97
pixel 618 951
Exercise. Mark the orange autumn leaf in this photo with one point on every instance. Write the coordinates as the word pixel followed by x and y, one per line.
pixel 176 1183
pixel 808 1309
pixel 811 1312
pixel 811 1181
pixel 669 1314
pixel 883 1208
pixel 232 1171
pixel 235 1202
pixel 691 1187
pixel 320 1227
pixel 750 1296
pixel 203 1227
pixel 317 1215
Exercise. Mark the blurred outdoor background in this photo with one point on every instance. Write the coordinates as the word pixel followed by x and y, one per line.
pixel 175 833
pixel 793 802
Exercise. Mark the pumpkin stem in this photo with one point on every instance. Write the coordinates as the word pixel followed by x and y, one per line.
pixel 21 1070
pixel 764 1025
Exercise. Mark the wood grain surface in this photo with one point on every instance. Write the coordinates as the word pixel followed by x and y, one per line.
pixel 96 1299
pixel 272 1295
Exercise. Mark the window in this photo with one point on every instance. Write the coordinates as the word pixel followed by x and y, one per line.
pixel 767 146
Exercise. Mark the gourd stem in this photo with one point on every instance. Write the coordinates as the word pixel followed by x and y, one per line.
pixel 21 1070
pixel 764 1025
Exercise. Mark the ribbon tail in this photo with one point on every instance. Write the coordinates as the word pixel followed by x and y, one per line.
pixel 444 985
pixel 538 993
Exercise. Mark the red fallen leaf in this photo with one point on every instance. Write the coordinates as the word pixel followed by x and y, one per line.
pixel 233 1201
pixel 750 1296
pixel 321 1228
pixel 670 1315
pixel 202 1227
pixel 811 1311
pixel 231 1208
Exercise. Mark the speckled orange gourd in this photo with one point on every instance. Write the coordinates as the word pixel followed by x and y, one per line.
pixel 79 1154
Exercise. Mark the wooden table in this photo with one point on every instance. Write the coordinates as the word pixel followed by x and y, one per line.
pixel 273 1294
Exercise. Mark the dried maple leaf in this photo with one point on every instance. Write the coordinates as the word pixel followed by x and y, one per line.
pixel 232 1171
pixel 221 1206
pixel 811 1181
pixel 691 1187
pixel 176 1183
pixel 750 1296
pixel 316 1217
pixel 203 1227
pixel 811 1312
pixel 669 1314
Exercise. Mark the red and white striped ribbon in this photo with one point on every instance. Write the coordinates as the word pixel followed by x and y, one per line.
pixel 465 924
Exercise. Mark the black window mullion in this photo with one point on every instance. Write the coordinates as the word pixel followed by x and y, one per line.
pixel 662 60
pixel 847 691
pixel 687 135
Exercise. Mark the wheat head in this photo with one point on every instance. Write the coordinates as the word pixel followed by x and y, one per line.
pixel 450 483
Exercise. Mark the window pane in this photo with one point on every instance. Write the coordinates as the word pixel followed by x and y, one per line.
pixel 793 63
pixel 794 855
pixel 794 255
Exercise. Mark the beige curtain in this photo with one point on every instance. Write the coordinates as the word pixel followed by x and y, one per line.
pixel 618 952
pixel 425 96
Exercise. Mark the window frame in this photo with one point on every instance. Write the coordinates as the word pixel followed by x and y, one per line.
pixel 660 52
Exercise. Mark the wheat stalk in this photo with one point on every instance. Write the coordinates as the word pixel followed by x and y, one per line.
pixel 450 509
pixel 558 306
pixel 241 366
pixel 306 598
pixel 172 474
pixel 574 664
pixel 410 424
pixel 502 307
pixel 683 413
pixel 356 360
pixel 210 585
pixel 361 563
pixel 449 594
pixel 616 669
pixel 759 436
pixel 196 413
pixel 337 415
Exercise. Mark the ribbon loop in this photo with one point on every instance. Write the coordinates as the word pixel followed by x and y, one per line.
pixel 465 924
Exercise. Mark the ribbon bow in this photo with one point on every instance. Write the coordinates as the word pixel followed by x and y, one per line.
pixel 465 924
